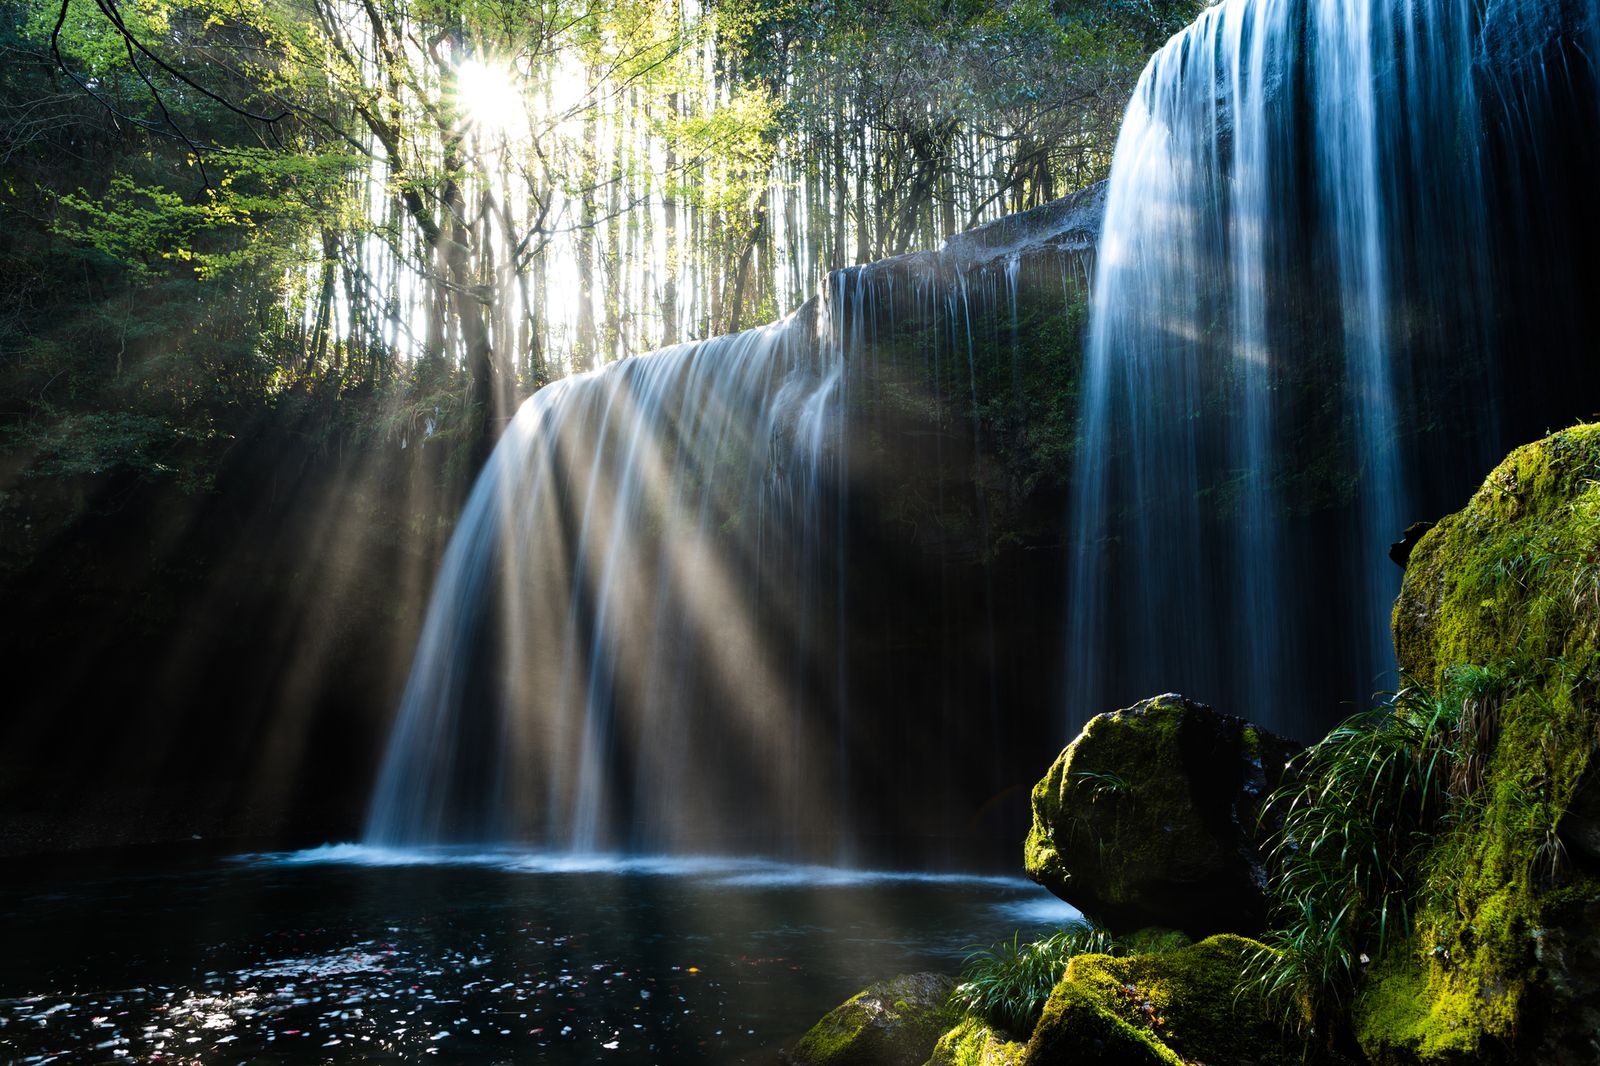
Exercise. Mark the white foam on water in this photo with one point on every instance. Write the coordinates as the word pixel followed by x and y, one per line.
pixel 1042 909
pixel 720 869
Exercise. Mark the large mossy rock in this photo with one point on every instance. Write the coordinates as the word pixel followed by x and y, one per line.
pixel 1151 817
pixel 1503 961
pixel 1185 1006
pixel 893 1023
pixel 976 1043
pixel 1513 574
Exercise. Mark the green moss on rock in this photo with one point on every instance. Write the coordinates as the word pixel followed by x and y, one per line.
pixel 1080 1029
pixel 1185 1006
pixel 892 1023
pixel 1151 817
pixel 1505 593
pixel 1403 1017
pixel 976 1043
pixel 1513 574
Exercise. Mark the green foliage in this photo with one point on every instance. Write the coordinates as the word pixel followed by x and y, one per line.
pixel 98 443
pixel 1009 982
pixel 251 217
pixel 1358 812
pixel 1103 783
pixel 151 244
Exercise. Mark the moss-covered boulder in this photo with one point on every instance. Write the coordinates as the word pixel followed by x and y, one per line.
pixel 893 1023
pixel 1186 1006
pixel 976 1043
pixel 1503 964
pixel 1151 817
pixel 1513 574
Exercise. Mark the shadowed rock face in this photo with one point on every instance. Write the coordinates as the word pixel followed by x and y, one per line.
pixel 1070 225
pixel 1151 816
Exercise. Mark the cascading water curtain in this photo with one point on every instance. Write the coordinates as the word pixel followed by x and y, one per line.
pixel 1291 266
pixel 643 574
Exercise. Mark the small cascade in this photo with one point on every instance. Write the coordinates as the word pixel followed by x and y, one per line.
pixel 637 537
pixel 1298 337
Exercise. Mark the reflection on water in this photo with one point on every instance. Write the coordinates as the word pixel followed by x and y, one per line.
pixel 355 954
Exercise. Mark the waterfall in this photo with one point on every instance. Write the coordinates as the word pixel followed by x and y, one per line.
pixel 1296 289
pixel 782 591
pixel 678 575
pixel 635 538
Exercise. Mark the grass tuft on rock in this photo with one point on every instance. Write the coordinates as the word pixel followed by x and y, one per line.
pixel 1436 863
pixel 1008 983
pixel 1357 817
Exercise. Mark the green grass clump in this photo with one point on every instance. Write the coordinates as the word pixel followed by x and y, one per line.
pixel 1358 815
pixel 1383 818
pixel 1421 845
pixel 1009 982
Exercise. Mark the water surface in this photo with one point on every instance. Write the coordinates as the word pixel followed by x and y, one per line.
pixel 348 953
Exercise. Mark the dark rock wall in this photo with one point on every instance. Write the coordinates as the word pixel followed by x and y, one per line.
pixel 220 660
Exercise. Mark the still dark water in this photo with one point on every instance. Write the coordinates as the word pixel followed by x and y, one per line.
pixel 346 954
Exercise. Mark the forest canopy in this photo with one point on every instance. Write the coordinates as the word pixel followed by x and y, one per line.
pixel 422 210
